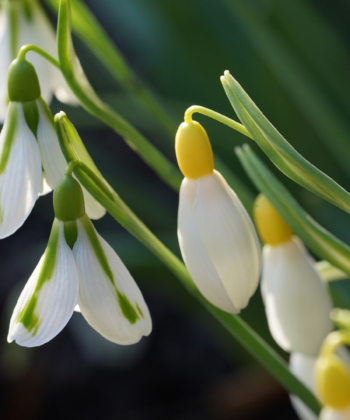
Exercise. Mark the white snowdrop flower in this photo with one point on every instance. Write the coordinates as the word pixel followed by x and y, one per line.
pixel 31 161
pixel 297 302
pixel 24 22
pixel 217 239
pixel 303 368
pixel 78 266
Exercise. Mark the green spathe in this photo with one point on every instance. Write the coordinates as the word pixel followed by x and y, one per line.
pixel 27 316
pixel 68 199
pixel 22 81
pixel 129 312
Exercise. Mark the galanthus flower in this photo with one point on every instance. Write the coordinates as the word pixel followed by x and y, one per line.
pixel 24 22
pixel 78 267
pixel 217 239
pixel 31 161
pixel 297 302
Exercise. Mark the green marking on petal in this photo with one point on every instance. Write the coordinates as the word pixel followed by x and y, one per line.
pixel 12 117
pixel 31 114
pixel 128 310
pixel 139 310
pixel 27 315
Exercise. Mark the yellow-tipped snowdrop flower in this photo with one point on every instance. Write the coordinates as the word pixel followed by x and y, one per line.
pixel 24 22
pixel 218 241
pixel 332 378
pixel 31 161
pixel 78 267
pixel 297 302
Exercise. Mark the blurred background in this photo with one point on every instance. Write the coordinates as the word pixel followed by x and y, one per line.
pixel 293 59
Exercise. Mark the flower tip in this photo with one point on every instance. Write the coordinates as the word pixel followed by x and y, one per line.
pixel 227 73
pixel 59 116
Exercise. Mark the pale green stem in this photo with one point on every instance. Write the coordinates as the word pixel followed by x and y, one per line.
pixel 26 48
pixel 330 273
pixel 333 341
pixel 216 116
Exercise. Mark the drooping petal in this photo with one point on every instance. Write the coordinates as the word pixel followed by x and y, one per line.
pixel 303 368
pixel 47 301
pixel 53 161
pixel 195 255
pixel 93 208
pixel 328 413
pixel 109 298
pixel 20 171
pixel 297 302
pixel 44 186
pixel 228 236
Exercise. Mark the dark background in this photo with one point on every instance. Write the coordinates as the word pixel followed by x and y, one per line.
pixel 293 58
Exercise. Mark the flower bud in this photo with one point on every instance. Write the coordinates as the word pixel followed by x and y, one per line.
pixel 68 199
pixel 333 381
pixel 193 151
pixel 22 81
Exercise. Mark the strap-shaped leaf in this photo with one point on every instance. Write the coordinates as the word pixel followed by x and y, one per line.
pixel 318 239
pixel 281 153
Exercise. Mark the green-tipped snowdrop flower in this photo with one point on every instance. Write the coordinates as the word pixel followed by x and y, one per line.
pixel 297 302
pixel 24 22
pixel 31 161
pixel 78 267
pixel 217 238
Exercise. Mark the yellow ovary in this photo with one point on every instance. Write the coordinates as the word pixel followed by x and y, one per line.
pixel 333 382
pixel 273 230
pixel 193 150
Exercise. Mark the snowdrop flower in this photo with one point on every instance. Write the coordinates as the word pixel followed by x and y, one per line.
pixel 78 267
pixel 31 161
pixel 24 22
pixel 217 239
pixel 297 302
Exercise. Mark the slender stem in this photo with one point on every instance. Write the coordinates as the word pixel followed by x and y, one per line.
pixel 26 48
pixel 216 116
pixel 71 165
pixel 333 341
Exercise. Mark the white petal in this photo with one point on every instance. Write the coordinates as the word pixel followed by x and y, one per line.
pixel 52 157
pixel 101 298
pixel 328 413
pixel 228 236
pixel 44 186
pixel 20 181
pixel 5 48
pixel 46 304
pixel 93 208
pixel 195 255
pixel 62 91
pixel 297 302
pixel 303 366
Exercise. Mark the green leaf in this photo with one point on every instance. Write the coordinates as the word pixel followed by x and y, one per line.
pixel 318 239
pixel 281 153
